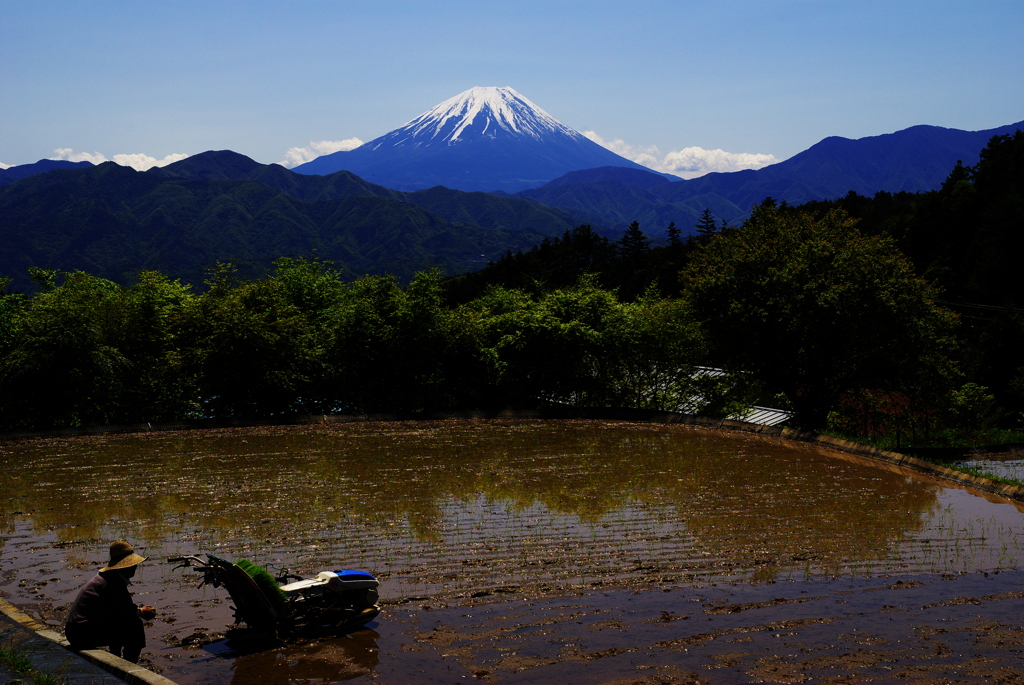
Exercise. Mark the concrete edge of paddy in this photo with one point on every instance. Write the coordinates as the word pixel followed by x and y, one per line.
pixel 50 654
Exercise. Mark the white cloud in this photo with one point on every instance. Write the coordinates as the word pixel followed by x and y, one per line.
pixel 72 156
pixel 697 161
pixel 141 162
pixel 5 166
pixel 648 156
pixel 137 161
pixel 300 155
pixel 689 162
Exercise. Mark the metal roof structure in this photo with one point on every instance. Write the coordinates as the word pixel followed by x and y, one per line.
pixel 764 416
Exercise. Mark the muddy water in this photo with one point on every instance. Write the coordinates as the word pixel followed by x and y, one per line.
pixel 453 514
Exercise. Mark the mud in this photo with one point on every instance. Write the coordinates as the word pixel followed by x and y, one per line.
pixel 529 552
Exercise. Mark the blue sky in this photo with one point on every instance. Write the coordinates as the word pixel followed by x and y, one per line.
pixel 769 77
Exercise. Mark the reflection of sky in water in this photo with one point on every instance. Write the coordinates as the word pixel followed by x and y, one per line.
pixel 1010 467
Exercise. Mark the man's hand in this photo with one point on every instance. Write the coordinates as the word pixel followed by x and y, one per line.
pixel 147 612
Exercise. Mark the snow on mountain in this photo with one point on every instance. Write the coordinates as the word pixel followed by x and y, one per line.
pixel 486 138
pixel 481 111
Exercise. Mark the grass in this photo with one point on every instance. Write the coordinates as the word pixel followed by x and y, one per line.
pixel 970 470
pixel 946 438
pixel 22 665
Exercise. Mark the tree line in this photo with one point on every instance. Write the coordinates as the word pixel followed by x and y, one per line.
pixel 85 350
pixel 834 312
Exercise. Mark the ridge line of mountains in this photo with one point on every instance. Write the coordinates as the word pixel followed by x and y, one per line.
pixel 114 221
pixel 220 205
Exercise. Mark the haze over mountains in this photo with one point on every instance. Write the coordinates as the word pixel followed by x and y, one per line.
pixel 181 218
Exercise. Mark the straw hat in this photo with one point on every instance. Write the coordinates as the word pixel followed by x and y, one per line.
pixel 122 556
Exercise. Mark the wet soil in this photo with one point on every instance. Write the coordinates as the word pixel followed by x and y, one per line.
pixel 533 552
pixel 912 629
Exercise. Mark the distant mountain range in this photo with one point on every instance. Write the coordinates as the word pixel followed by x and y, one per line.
pixel 113 221
pixel 486 138
pixel 16 173
pixel 494 139
pixel 916 159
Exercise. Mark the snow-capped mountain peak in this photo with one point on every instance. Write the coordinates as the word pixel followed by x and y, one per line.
pixel 484 111
pixel 487 138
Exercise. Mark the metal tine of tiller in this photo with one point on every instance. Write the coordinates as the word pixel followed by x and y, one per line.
pixel 184 561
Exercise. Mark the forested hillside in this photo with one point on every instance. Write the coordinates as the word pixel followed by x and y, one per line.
pixel 962 239
pixel 893 315
pixel 113 221
pixel 912 160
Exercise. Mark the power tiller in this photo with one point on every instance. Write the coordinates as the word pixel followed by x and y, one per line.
pixel 333 601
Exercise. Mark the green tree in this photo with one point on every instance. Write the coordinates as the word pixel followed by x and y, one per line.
pixel 252 351
pixel 634 243
pixel 89 351
pixel 813 308
pixel 651 349
pixel 674 236
pixel 402 350
pixel 312 285
pixel 581 346
pixel 157 388
pixel 546 349
pixel 63 366
pixel 706 227
pixel 555 263
pixel 10 305
pixel 998 214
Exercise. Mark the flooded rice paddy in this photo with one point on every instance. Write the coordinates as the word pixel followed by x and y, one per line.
pixel 526 551
pixel 1004 464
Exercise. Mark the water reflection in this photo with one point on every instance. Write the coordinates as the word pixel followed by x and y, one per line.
pixel 342 658
pixel 458 508
pixel 1005 465
pixel 433 507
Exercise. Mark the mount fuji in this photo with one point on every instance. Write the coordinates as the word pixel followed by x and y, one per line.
pixel 487 138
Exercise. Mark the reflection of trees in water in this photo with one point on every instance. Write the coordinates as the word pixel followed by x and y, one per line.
pixel 402 482
pixel 818 510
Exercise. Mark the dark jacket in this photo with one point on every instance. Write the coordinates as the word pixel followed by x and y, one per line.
pixel 104 614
